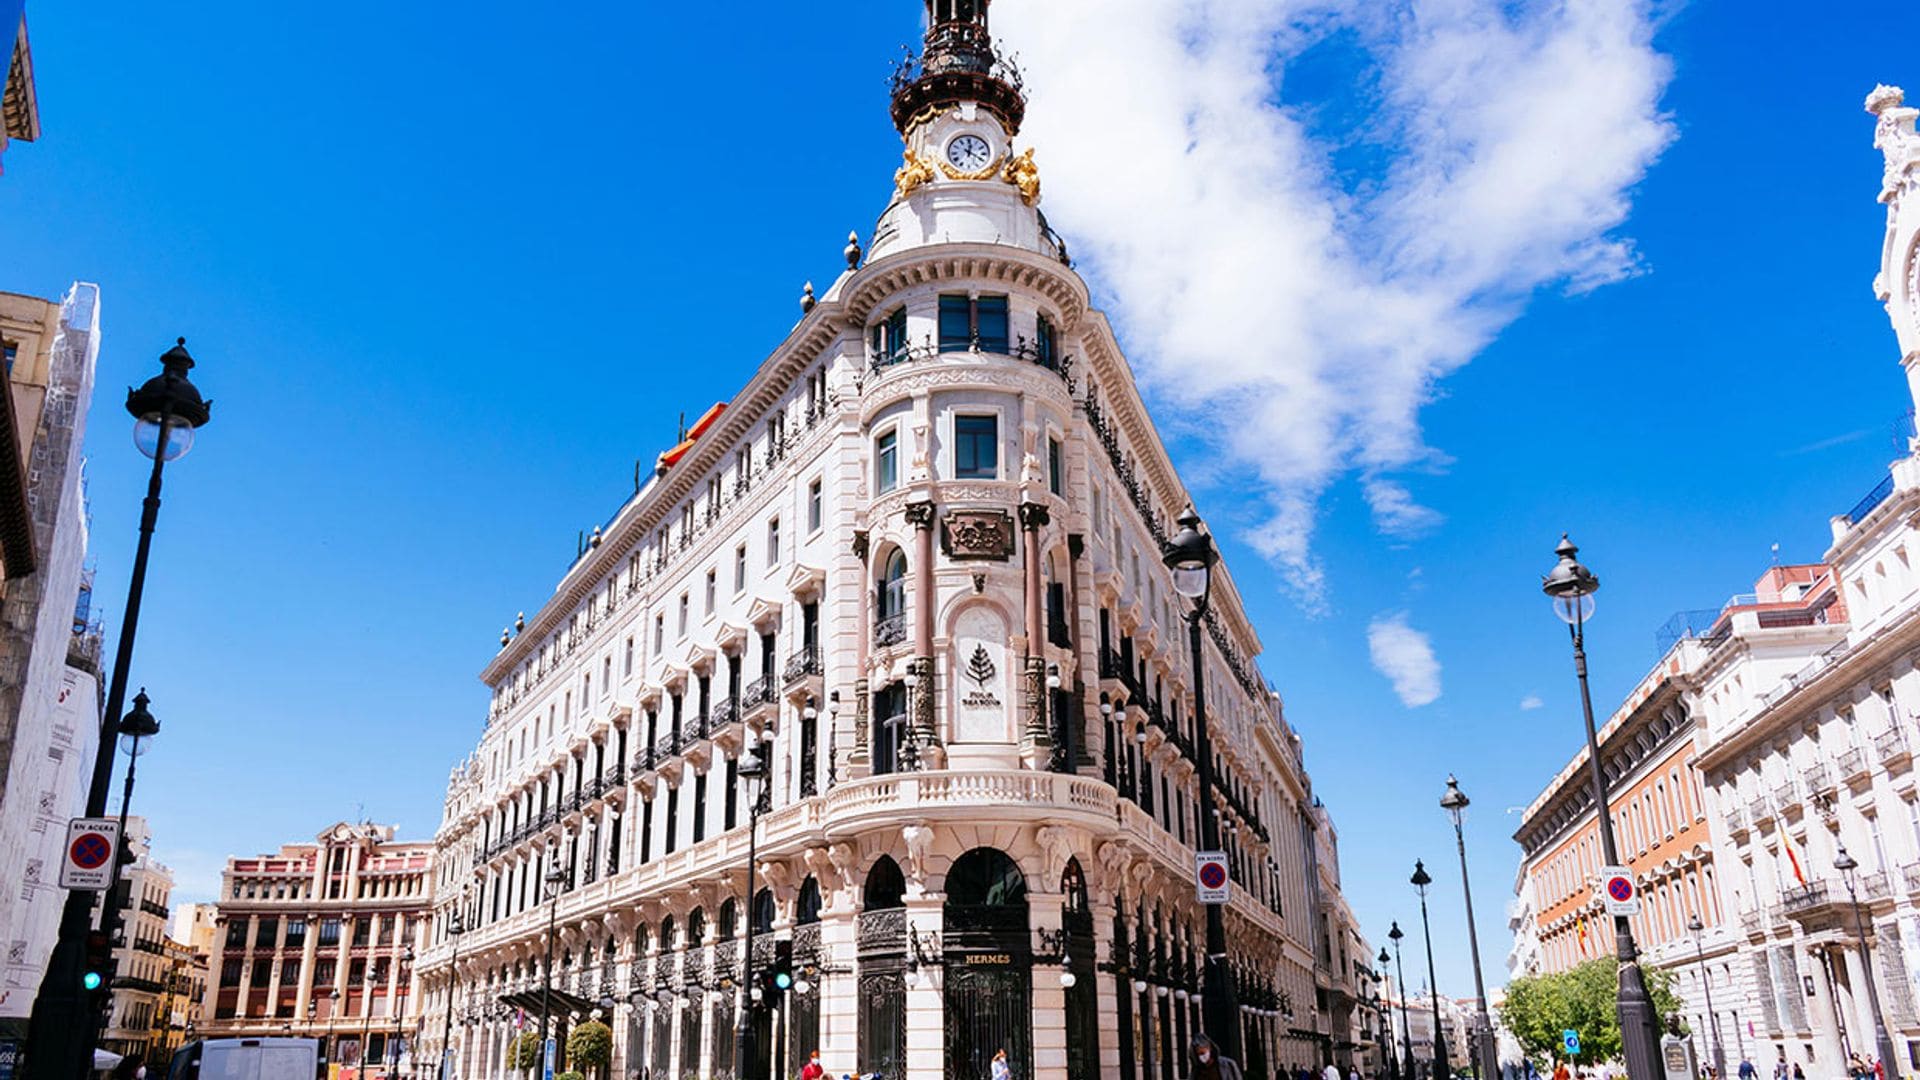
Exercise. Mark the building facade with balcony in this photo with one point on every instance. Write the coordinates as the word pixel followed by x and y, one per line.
pixel 319 940
pixel 915 565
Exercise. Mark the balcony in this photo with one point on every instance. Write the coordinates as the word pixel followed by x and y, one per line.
pixel 1828 902
pixel 1737 821
pixel 1911 872
pixel 759 695
pixel 891 630
pixel 1852 765
pixel 1750 921
pixel 1786 799
pixel 1760 809
pixel 1891 748
pixel 802 664
pixel 1819 779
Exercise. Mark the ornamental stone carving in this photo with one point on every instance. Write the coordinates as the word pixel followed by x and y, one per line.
pixel 977 534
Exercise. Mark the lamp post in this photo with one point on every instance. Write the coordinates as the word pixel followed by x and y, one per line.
pixel 1400 979
pixel 1191 556
pixel 400 1014
pixel 1486 1059
pixel 1883 1045
pixel 1393 1047
pixel 1420 881
pixel 1695 926
pixel 333 1009
pixel 65 1023
pixel 1572 586
pixel 454 929
pixel 753 770
pixel 554 880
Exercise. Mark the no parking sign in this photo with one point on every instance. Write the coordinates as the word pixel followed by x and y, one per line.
pixel 1210 877
pixel 88 862
pixel 1617 891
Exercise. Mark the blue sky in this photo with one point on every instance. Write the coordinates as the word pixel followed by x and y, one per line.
pixel 449 275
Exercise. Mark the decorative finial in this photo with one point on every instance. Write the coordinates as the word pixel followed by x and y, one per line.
pixel 505 637
pixel 595 541
pixel 520 622
pixel 806 298
pixel 853 251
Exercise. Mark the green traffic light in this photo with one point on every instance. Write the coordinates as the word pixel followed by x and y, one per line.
pixel 91 980
pixel 783 980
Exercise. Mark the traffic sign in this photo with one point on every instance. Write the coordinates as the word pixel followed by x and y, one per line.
pixel 1617 891
pixel 1571 1040
pixel 1210 883
pixel 89 859
pixel 548 1071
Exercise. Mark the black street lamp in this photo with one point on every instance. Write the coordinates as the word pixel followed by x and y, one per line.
pixel 753 770
pixel 454 929
pixel 327 1048
pixel 65 1024
pixel 1486 1057
pixel 1883 1045
pixel 1406 1020
pixel 1420 881
pixel 1191 556
pixel 555 880
pixel 1393 1048
pixel 400 991
pixel 1695 926
pixel 1572 587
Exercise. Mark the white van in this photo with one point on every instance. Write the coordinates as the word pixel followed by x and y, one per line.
pixel 247 1059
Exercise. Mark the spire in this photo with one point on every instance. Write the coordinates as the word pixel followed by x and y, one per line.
pixel 957 63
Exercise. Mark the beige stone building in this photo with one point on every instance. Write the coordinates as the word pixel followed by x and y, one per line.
pixel 143 967
pixel 913 566
pixel 19 108
pixel 318 939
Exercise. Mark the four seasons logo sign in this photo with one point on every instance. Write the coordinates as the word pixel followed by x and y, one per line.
pixel 980 671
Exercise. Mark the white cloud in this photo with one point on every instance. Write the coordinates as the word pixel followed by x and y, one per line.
pixel 1297 312
pixel 1531 702
pixel 1405 656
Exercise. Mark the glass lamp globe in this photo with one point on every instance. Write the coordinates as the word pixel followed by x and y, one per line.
pixel 146 437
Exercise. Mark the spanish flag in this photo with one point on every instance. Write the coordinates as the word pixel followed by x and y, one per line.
pixel 1794 861
pixel 1583 937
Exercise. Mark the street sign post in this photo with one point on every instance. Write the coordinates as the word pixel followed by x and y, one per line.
pixel 88 862
pixel 548 1070
pixel 1210 884
pixel 1618 892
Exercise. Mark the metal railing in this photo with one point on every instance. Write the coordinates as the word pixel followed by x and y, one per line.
pixel 1851 763
pixel 1873 498
pixel 891 630
pixel 802 664
pixel 1890 745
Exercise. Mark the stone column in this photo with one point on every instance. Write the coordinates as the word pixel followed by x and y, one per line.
pixel 1049 997
pixel 1037 741
pixel 1108 1002
pixel 921 516
pixel 926 1006
pixel 859 761
pixel 840 989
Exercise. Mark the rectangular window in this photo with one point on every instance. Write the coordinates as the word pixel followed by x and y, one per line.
pixel 699 807
pixel 659 632
pixel 713 577
pixel 773 542
pixel 956 324
pixel 1056 469
pixel 626 665
pixel 237 933
pixel 990 324
pixel 12 350
pixel 889 337
pixel 740 568
pixel 230 971
pixel 976 447
pixel 296 933
pixel 1043 342
pixel 815 508
pixel 886 462
pixel 683 614
pixel 329 933
pixel 322 972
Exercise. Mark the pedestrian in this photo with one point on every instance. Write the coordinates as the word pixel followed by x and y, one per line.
pixel 1560 1070
pixel 1332 1072
pixel 1001 1070
pixel 1210 1064
pixel 1747 1071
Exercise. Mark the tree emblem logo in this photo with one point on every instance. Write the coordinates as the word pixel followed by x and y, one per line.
pixel 980 668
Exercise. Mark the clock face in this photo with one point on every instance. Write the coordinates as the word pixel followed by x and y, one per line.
pixel 969 153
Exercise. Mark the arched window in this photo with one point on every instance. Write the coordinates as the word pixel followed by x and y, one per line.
pixel 986 877
pixel 807 908
pixel 1073 885
pixel 667 942
pixel 640 940
pixel 893 586
pixel 696 928
pixel 886 888
pixel 729 919
pixel 763 912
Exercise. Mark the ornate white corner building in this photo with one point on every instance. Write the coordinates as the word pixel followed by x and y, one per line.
pixel 914 567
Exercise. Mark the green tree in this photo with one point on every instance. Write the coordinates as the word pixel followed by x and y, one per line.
pixel 526 1051
pixel 1585 999
pixel 590 1047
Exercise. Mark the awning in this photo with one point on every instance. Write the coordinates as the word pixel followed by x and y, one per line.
pixel 529 1001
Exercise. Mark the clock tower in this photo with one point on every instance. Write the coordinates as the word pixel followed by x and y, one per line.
pixel 958 105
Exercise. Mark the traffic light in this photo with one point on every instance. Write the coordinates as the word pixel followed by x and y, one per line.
pixel 777 978
pixel 98 972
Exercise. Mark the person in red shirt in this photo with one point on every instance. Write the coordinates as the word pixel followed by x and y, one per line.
pixel 812 1070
